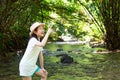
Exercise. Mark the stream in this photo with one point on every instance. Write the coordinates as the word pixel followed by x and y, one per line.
pixel 86 65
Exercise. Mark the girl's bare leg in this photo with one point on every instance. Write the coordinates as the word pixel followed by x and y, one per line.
pixel 27 78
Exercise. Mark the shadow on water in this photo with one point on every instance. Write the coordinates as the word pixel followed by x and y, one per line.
pixel 89 66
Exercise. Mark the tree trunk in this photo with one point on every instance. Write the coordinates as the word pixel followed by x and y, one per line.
pixel 112 38
pixel 111 18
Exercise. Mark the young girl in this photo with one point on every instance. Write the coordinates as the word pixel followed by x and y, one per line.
pixel 27 66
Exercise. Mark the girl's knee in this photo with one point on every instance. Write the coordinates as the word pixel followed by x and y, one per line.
pixel 42 73
pixel 45 74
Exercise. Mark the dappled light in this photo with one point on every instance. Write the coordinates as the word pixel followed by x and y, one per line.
pixel 84 43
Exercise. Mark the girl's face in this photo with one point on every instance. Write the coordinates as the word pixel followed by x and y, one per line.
pixel 40 31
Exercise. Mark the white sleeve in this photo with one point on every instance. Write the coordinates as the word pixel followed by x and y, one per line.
pixel 33 41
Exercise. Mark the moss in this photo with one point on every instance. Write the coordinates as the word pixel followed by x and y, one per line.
pixel 86 66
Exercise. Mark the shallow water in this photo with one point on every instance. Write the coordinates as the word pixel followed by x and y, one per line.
pixel 86 66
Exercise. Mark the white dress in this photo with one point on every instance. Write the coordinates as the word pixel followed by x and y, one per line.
pixel 27 64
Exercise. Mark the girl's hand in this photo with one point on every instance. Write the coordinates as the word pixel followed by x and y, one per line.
pixel 49 30
pixel 44 71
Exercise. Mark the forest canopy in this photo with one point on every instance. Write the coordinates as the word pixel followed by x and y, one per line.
pixel 83 19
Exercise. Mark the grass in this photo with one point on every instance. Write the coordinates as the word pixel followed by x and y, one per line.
pixel 86 66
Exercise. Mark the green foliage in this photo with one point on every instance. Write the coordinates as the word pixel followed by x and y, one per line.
pixel 108 14
pixel 68 16
pixel 105 15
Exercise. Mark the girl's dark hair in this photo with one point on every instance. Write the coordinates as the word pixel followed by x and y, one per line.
pixel 33 35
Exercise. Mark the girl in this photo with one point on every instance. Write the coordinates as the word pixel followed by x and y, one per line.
pixel 27 66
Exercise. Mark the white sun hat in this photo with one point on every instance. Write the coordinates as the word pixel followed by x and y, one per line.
pixel 35 25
